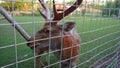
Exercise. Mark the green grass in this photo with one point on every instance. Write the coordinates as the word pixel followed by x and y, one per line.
pixel 83 24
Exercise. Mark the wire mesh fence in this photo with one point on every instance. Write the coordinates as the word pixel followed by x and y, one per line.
pixel 97 24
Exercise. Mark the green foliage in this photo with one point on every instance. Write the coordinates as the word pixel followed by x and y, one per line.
pixel 18 5
pixel 111 8
pixel 8 5
pixel 70 2
pixel 117 3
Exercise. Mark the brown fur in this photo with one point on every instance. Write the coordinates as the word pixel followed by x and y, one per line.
pixel 69 48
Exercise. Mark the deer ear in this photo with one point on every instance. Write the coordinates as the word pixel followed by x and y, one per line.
pixel 68 26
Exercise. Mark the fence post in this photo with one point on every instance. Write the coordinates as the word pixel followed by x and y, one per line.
pixel 119 13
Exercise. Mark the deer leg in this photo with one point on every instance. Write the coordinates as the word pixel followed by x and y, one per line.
pixel 38 62
pixel 38 59
pixel 42 64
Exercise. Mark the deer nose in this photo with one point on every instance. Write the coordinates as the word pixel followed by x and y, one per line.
pixel 29 45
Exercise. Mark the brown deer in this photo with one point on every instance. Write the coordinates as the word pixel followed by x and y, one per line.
pixel 62 38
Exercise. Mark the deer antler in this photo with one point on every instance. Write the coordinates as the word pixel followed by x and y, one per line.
pixel 47 13
pixel 59 16
pixel 14 23
pixel 54 8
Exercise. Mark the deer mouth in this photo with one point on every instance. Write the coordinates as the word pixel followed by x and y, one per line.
pixel 38 45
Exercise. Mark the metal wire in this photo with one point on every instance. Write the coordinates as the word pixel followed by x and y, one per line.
pixel 92 29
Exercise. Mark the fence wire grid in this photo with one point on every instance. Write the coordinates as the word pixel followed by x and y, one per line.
pixel 97 25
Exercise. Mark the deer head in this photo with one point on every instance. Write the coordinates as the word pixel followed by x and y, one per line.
pixel 51 25
pixel 52 34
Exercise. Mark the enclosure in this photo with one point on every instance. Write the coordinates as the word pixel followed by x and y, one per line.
pixel 97 23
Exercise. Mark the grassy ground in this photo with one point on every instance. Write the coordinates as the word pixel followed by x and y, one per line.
pixel 83 24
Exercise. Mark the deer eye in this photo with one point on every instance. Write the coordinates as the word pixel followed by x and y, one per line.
pixel 47 31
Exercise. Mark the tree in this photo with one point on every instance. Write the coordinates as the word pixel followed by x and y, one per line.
pixel 112 8
pixel 8 5
pixel 17 4
pixel 117 3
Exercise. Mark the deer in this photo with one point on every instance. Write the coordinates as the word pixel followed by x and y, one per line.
pixel 63 38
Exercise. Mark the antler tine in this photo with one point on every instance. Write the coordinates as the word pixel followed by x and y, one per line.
pixel 59 16
pixel 42 14
pixel 47 11
pixel 54 8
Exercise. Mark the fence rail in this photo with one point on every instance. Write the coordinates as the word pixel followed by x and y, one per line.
pixel 99 47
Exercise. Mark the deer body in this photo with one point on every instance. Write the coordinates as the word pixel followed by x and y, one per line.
pixel 70 50
pixel 63 40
